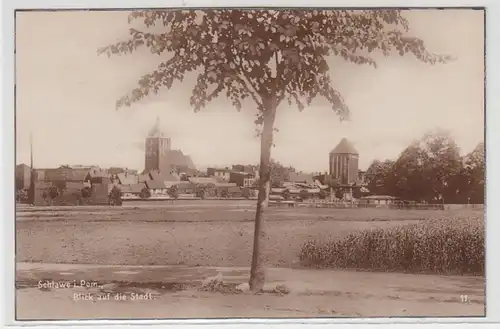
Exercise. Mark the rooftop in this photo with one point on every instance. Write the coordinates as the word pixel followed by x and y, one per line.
pixel 344 147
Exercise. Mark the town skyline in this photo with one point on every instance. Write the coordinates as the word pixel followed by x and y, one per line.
pixel 66 97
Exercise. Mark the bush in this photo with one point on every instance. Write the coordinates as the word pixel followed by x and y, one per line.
pixel 245 193
pixel 217 284
pixel 115 196
pixel 86 192
pixel 440 246
pixel 173 192
pixel 145 193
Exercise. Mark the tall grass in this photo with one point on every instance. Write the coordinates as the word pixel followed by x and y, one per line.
pixel 440 246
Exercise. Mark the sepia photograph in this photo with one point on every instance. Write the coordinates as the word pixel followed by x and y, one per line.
pixel 218 163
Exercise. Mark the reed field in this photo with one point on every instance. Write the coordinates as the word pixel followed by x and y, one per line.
pixel 442 245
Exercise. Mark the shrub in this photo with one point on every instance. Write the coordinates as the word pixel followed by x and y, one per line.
pixel 217 284
pixel 245 193
pixel 86 192
pixel 145 193
pixel 173 192
pixel 281 289
pixel 54 192
pixel 223 193
pixel 21 195
pixel 201 192
pixel 115 196
pixel 339 193
pixel 441 246
pixel 304 195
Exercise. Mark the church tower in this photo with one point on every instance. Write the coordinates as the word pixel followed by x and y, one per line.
pixel 344 163
pixel 157 149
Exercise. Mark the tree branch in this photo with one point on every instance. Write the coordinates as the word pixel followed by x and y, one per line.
pixel 246 81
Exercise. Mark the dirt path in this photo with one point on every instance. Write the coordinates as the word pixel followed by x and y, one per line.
pixel 174 293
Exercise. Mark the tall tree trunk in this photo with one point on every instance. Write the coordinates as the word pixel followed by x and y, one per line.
pixel 258 270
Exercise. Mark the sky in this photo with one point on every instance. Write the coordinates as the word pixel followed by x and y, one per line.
pixel 66 97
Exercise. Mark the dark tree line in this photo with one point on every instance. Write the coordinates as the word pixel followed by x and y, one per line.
pixel 431 170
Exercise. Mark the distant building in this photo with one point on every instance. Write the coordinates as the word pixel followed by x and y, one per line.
pixel 220 173
pixel 62 174
pixel 343 163
pixel 98 176
pixel 127 178
pixel 251 169
pixel 242 179
pixel 203 181
pixel 23 175
pixel 300 177
pixel 156 187
pixel 379 199
pixel 160 156
pixel 118 170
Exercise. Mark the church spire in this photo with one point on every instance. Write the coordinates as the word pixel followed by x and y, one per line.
pixel 156 130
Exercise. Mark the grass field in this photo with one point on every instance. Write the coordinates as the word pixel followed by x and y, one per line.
pixel 208 234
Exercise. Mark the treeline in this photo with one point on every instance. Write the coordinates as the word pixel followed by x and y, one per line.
pixel 431 170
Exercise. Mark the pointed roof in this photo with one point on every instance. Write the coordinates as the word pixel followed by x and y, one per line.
pixel 156 130
pixel 344 147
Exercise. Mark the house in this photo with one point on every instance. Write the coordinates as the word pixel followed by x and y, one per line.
pixel 300 177
pixel 136 189
pixel 62 174
pixel 119 170
pixel 125 189
pixel 242 179
pixel 165 176
pixel 23 175
pixel 203 181
pixel 379 199
pixel 127 179
pixel 98 176
pixel 131 191
pixel 250 169
pixel 156 187
pixel 221 173
pixel 143 177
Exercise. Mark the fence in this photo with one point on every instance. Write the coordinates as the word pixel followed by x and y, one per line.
pixel 354 205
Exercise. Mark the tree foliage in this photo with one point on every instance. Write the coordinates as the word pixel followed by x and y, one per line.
pixel 173 192
pixel 145 193
pixel 431 170
pixel 279 173
pixel 379 176
pixel 54 192
pixel 115 196
pixel 86 192
pixel 257 53
pixel 339 193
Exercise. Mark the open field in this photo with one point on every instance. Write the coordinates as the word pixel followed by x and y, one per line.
pixel 206 233
pixel 168 250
